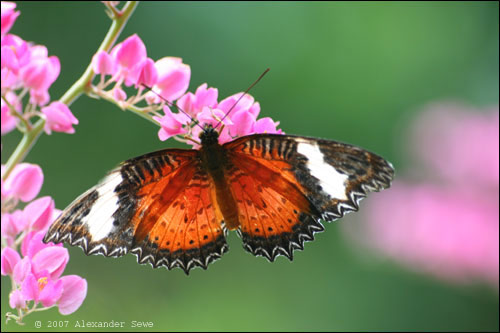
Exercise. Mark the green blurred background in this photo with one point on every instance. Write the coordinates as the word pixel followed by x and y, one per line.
pixel 353 72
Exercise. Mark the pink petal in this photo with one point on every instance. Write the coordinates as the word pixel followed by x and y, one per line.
pixel 232 102
pixel 119 94
pixel 9 259
pixel 16 300
pixel 39 213
pixel 8 120
pixel 9 16
pixel 51 293
pixel 186 103
pixel 103 63
pixel 59 118
pixel 266 125
pixel 35 244
pixel 206 97
pixel 173 78
pixel 148 75
pixel 30 289
pixel 213 116
pixel 21 270
pixel 40 72
pixel 74 292
pixel 131 52
pixel 53 259
pixel 171 124
pixel 13 224
pixel 243 123
pixel 24 182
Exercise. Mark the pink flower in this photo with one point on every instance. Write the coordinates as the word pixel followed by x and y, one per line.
pixel 24 182
pixel 8 120
pixel 131 52
pixel 9 16
pixel 59 118
pixel 148 75
pixel 32 243
pixel 41 71
pixel 247 103
pixel 15 53
pixel 173 78
pixel 119 94
pixel 9 259
pixel 437 133
pixel 103 63
pixel 447 224
pixel 244 122
pixel 194 103
pixel 212 117
pixel 16 300
pixel 74 292
pixel 21 270
pixel 171 124
pixel 41 288
pixel 130 56
pixel 266 125
pixel 39 213
pixel 12 225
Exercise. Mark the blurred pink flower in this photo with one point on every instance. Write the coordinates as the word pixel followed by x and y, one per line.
pixel 447 224
pixel 15 53
pixel 119 94
pixel 9 121
pixel 58 117
pixel 451 135
pixel 9 16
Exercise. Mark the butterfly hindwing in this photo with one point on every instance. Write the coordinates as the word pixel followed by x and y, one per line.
pixel 285 185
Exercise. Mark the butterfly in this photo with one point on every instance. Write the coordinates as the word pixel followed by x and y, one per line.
pixel 174 207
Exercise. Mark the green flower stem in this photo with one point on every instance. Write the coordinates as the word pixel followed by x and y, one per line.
pixel 83 84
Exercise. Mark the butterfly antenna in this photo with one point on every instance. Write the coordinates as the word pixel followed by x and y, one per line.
pixel 170 104
pixel 242 95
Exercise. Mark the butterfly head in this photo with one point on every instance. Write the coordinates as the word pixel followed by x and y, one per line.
pixel 209 136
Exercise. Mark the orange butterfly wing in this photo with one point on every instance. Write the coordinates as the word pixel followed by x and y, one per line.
pixel 158 206
pixel 285 185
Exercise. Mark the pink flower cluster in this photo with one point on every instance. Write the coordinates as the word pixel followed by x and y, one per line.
pixel 37 275
pixel 35 268
pixel 29 68
pixel 447 222
pixel 169 77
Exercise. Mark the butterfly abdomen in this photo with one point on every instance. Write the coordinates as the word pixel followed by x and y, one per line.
pixel 214 159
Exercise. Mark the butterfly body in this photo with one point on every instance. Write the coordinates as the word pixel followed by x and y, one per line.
pixel 174 207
